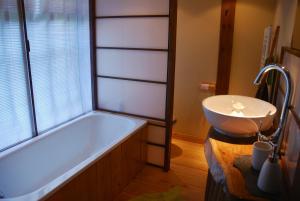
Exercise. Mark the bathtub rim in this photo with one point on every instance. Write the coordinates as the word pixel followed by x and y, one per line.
pixel 57 183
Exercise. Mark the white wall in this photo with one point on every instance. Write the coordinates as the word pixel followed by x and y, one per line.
pixel 198 30
pixel 251 17
pixel 285 18
pixel 198 27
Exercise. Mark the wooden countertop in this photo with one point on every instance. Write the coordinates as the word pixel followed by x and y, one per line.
pixel 220 157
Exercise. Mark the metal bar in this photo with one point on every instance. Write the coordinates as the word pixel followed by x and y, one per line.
pixel 131 79
pixel 129 16
pixel 22 15
pixel 93 53
pixel 129 114
pixel 132 48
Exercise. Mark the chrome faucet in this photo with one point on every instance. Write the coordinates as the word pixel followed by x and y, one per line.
pixel 277 136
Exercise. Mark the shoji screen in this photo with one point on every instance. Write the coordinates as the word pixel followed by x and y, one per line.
pixel 134 65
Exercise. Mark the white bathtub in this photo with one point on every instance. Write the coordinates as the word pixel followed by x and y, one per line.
pixel 32 170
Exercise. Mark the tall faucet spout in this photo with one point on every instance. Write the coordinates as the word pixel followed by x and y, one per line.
pixel 278 136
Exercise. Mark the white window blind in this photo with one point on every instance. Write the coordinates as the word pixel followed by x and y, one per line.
pixel 58 32
pixel 15 123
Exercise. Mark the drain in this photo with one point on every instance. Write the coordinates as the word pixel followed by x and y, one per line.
pixel 1 195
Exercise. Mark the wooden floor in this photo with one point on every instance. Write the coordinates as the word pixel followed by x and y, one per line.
pixel 188 171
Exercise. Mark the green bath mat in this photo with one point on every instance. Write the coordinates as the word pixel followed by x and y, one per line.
pixel 172 195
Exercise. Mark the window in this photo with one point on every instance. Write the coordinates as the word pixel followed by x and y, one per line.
pixel 15 123
pixel 58 33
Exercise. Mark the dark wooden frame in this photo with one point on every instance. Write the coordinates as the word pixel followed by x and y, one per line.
pixel 28 66
pixel 92 6
pixel 170 80
pixel 168 120
pixel 131 79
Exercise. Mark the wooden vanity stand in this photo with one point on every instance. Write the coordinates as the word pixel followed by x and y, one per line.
pixel 225 182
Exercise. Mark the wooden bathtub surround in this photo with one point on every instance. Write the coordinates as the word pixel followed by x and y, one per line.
pixel 107 177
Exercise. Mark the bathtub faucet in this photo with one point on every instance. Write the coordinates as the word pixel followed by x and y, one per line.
pixel 277 136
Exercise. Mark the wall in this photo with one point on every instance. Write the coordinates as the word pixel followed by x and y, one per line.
pixel 251 17
pixel 285 18
pixel 196 60
pixel 291 142
pixel 296 33
pixel 197 55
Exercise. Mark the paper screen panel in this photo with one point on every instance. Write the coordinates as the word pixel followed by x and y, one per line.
pixel 156 134
pixel 139 98
pixel 156 155
pixel 131 7
pixel 145 65
pixel 133 32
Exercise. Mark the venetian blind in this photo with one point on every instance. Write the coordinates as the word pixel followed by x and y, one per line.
pixel 15 123
pixel 58 32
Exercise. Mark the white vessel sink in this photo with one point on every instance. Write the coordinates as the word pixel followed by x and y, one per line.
pixel 238 116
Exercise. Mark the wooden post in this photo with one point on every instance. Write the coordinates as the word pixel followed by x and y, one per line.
pixel 225 46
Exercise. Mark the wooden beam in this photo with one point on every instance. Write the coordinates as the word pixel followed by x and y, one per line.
pixel 170 80
pixel 225 46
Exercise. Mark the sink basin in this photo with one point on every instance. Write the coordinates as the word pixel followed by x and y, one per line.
pixel 238 116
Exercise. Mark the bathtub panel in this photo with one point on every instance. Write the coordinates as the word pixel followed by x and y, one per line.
pixel 144 65
pixel 156 134
pixel 131 157
pixel 131 7
pixel 144 147
pixel 133 32
pixel 140 98
pixel 81 188
pixel 103 186
pixel 156 155
pixel 116 162
pixel 105 179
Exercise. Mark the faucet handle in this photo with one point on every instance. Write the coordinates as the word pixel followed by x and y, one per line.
pixel 261 137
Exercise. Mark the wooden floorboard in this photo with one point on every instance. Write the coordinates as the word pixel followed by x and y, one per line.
pixel 188 171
